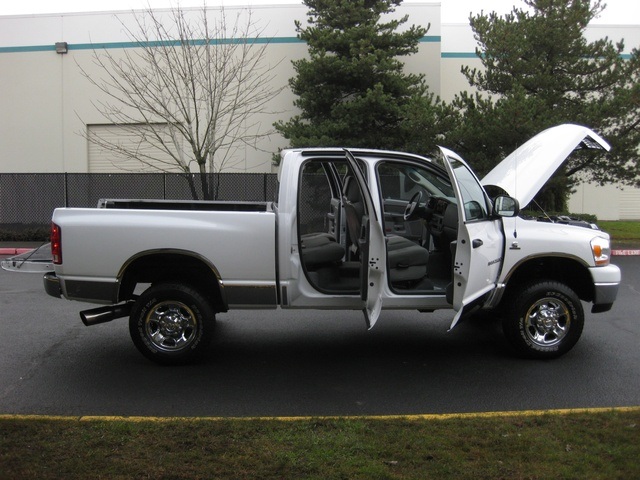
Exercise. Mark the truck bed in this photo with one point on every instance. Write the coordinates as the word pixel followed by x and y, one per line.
pixel 198 205
pixel 98 244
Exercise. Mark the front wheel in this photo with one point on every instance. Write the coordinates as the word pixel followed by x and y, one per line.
pixel 545 320
pixel 171 323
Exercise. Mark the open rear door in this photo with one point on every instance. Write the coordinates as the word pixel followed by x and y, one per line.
pixel 372 250
pixel 479 249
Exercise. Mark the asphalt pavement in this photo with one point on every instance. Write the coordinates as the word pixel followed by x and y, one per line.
pixel 300 363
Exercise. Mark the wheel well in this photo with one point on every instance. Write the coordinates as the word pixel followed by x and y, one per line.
pixel 565 270
pixel 174 267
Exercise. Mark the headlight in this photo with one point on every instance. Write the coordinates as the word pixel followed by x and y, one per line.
pixel 601 249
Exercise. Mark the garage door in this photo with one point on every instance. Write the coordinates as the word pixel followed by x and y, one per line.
pixel 107 142
pixel 630 204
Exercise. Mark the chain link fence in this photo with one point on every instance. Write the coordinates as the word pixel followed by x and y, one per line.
pixel 27 200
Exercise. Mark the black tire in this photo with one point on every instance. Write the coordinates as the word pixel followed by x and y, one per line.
pixel 544 320
pixel 172 323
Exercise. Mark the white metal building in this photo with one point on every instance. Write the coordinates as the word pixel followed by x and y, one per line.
pixel 47 106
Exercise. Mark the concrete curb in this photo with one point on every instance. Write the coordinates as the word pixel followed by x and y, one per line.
pixel 14 250
pixel 625 253
pixel 306 418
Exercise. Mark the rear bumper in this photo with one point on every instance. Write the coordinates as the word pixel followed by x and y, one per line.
pixel 52 285
pixel 84 290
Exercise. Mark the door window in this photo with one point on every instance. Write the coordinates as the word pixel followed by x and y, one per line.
pixel 474 200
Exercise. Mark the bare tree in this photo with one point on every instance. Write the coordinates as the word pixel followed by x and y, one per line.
pixel 192 89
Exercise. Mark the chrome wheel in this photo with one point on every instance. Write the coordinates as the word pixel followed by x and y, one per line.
pixel 171 326
pixel 547 322
pixel 171 323
pixel 542 319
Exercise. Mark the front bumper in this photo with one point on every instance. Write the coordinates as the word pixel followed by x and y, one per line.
pixel 606 282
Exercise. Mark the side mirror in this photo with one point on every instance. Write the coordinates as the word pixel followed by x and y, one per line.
pixel 504 206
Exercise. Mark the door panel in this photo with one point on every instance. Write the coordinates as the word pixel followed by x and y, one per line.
pixel 480 239
pixel 372 248
pixel 477 261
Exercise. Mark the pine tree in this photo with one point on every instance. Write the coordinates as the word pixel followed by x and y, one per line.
pixel 352 90
pixel 538 71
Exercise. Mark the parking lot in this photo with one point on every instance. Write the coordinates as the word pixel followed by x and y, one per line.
pixel 294 363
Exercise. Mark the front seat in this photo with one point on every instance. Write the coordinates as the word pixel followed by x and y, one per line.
pixel 407 261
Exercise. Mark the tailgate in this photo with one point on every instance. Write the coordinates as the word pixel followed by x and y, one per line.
pixel 38 260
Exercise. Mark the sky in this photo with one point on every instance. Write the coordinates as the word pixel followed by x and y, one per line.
pixel 620 12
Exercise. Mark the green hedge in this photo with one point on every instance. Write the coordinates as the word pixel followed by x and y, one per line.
pixel 28 234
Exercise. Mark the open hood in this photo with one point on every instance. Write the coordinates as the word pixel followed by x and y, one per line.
pixel 523 173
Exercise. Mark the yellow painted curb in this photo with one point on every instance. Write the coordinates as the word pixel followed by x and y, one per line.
pixel 443 416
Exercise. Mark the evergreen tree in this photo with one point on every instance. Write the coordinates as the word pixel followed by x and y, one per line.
pixel 539 71
pixel 352 90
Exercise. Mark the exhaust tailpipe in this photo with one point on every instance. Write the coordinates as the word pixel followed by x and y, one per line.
pixel 106 314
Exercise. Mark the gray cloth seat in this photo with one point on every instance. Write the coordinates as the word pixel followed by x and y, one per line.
pixel 407 260
pixel 320 248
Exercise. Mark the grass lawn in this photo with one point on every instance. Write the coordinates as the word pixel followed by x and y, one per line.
pixel 601 444
pixel 622 231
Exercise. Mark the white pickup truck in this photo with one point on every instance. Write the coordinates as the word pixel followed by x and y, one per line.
pixel 351 229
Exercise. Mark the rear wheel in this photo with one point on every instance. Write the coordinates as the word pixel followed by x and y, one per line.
pixel 545 320
pixel 171 323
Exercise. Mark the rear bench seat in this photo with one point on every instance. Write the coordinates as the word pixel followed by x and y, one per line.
pixel 320 248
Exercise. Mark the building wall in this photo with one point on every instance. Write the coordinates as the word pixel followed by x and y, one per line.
pixel 46 104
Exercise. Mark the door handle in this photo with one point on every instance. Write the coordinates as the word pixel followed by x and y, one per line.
pixel 477 243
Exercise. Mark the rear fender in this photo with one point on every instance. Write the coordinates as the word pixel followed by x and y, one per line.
pixel 160 265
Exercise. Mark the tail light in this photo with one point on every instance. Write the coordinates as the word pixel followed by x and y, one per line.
pixel 56 244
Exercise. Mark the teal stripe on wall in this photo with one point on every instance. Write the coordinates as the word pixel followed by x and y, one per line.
pixel 33 48
pixel 278 40
pixel 458 55
pixel 109 45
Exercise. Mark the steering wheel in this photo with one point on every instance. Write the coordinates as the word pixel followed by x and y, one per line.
pixel 412 205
